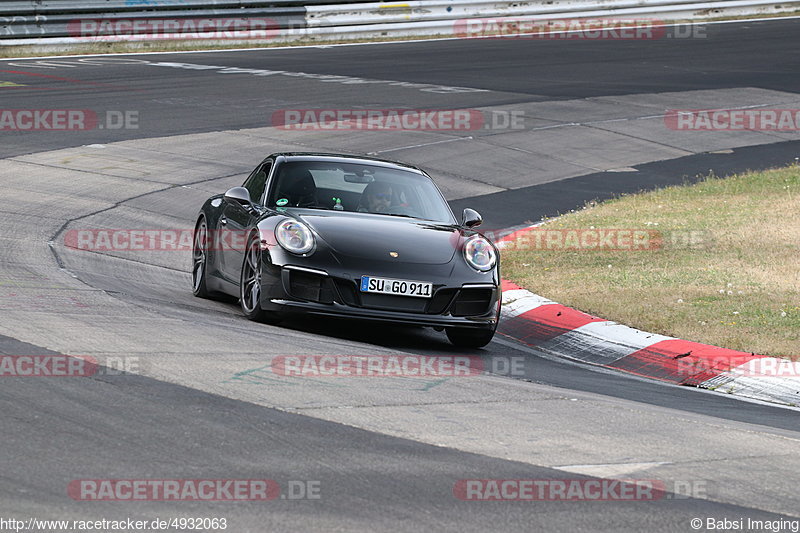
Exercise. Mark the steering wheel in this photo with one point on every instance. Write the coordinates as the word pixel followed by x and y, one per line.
pixel 404 209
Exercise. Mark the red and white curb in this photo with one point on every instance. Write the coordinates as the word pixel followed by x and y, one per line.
pixel 564 332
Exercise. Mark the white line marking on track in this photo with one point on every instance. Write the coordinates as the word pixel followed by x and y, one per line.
pixel 420 145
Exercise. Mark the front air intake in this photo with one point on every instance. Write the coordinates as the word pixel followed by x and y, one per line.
pixel 311 287
pixel 472 302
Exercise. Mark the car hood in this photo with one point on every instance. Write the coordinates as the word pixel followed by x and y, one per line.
pixel 367 236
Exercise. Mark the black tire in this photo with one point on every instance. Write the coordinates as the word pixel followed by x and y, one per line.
pixel 250 284
pixel 200 259
pixel 470 337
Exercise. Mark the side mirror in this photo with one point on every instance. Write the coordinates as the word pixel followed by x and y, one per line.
pixel 239 194
pixel 471 218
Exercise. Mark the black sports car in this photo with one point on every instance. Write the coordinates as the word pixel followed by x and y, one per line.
pixel 352 237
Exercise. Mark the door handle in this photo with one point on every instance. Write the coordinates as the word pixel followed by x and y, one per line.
pixel 223 220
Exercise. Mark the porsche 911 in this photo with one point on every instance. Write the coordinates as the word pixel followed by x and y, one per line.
pixel 348 236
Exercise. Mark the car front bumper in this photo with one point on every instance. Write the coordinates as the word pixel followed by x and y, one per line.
pixel 471 303
pixel 382 315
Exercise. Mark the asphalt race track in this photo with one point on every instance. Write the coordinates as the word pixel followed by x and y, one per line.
pixel 200 400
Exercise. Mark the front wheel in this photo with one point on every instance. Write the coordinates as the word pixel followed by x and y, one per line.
pixel 470 337
pixel 250 284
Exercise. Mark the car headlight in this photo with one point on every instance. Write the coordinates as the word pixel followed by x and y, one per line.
pixel 294 237
pixel 479 253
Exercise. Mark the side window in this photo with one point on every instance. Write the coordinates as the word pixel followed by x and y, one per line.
pixel 257 181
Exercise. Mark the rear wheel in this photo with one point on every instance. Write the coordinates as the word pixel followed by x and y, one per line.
pixel 200 259
pixel 250 284
pixel 470 337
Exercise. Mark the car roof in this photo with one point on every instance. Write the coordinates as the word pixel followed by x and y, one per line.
pixel 343 158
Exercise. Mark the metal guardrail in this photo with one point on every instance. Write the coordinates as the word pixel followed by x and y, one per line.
pixel 429 10
pixel 51 18
pixel 53 7
pixel 26 22
pixel 69 25
pixel 439 17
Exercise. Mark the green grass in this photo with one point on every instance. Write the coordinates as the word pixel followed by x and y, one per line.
pixel 737 285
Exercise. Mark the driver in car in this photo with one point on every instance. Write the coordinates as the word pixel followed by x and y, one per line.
pixel 376 198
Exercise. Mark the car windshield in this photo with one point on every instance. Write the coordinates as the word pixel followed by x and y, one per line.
pixel 359 188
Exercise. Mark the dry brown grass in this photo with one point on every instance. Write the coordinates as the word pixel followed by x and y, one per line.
pixel 738 288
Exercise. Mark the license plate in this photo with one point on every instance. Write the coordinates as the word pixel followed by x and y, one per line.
pixel 399 287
